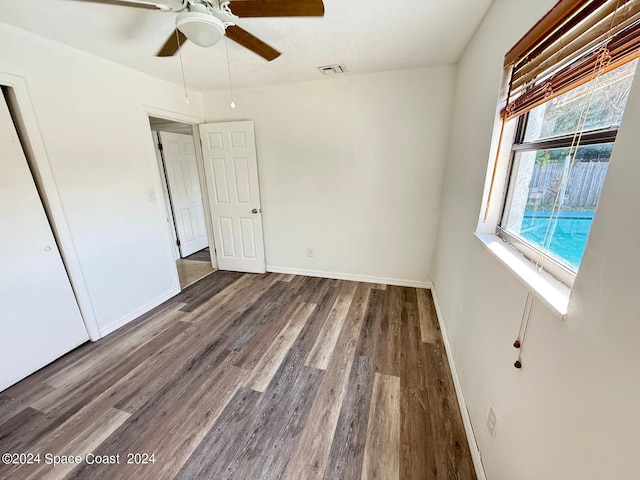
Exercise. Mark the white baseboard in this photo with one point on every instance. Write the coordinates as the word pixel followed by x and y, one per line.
pixel 466 419
pixel 116 324
pixel 349 276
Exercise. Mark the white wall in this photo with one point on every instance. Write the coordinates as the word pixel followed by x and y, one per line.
pixel 95 130
pixel 572 411
pixel 350 167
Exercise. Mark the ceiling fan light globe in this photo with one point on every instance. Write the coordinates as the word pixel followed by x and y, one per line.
pixel 200 28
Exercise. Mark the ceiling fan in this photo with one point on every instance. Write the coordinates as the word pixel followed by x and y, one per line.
pixel 205 22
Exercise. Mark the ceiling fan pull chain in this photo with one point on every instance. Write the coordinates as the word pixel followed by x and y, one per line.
pixel 184 80
pixel 226 46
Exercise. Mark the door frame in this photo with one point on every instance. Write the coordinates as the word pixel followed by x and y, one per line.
pixel 164 211
pixel 167 195
pixel 36 153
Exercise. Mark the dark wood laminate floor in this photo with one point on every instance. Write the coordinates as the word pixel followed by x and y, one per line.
pixel 200 256
pixel 251 377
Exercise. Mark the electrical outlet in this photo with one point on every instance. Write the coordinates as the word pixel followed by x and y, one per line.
pixel 492 421
pixel 310 252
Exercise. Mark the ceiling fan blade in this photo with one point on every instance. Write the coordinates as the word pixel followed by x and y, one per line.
pixel 172 45
pixel 251 42
pixel 125 3
pixel 277 8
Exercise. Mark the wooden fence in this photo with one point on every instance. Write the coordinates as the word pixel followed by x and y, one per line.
pixel 583 190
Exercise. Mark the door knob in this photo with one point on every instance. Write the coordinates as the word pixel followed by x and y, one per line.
pixel 255 210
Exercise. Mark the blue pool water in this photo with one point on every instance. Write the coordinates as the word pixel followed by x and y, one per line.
pixel 569 238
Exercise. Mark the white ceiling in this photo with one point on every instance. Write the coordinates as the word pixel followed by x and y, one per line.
pixel 365 35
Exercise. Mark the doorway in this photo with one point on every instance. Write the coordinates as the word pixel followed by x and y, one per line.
pixel 182 190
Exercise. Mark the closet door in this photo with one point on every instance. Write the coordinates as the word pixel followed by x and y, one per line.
pixel 39 317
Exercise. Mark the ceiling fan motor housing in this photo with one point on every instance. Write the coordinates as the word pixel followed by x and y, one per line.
pixel 199 26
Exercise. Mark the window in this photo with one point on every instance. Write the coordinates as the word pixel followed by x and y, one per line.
pixel 566 84
pixel 554 185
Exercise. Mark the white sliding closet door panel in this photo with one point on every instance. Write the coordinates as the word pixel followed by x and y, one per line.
pixel 39 317
pixel 231 169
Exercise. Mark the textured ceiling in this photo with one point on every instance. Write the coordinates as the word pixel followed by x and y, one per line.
pixel 365 35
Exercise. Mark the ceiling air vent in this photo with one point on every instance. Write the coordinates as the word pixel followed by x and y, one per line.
pixel 333 69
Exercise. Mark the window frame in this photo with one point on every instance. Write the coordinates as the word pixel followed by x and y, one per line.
pixel 541 260
pixel 560 52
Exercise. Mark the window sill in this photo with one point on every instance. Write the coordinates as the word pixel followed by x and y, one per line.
pixel 553 293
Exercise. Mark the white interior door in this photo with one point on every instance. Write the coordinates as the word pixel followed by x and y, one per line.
pixel 184 185
pixel 39 317
pixel 231 170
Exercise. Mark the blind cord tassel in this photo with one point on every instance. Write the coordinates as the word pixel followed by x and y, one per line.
pixel 524 325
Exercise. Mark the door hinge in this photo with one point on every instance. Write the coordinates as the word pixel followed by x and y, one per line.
pixel 159 146
pixel 178 242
